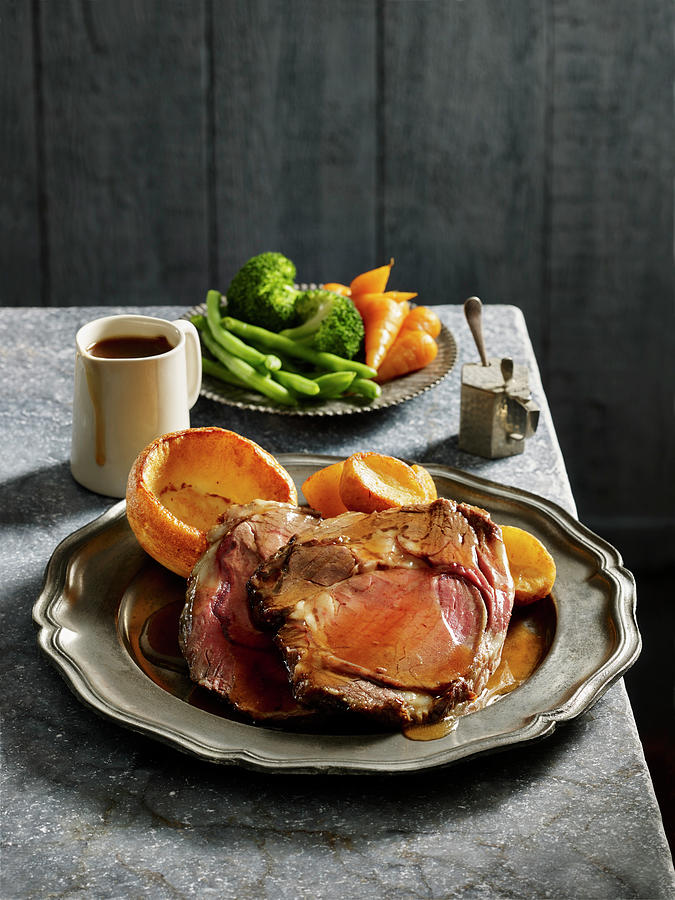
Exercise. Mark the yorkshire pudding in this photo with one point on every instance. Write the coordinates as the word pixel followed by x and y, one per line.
pixel 182 483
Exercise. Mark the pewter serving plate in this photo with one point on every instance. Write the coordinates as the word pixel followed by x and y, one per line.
pixel 101 591
pixel 393 392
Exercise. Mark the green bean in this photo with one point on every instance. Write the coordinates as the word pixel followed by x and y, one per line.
pixel 246 373
pixel 218 370
pixel 333 384
pixel 233 344
pixel 287 364
pixel 295 382
pixel 272 341
pixel 293 365
pixel 366 388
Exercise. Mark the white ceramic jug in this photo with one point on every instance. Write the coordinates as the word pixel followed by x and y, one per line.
pixel 123 402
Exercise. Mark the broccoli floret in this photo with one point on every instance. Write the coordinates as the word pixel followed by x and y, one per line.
pixel 262 292
pixel 329 322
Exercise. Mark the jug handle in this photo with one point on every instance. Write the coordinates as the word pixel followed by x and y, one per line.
pixel 193 359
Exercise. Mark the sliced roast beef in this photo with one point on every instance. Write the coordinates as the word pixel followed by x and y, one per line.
pixel 399 614
pixel 224 650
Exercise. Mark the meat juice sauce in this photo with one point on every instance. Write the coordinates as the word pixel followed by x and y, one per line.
pixel 151 632
pixel 527 641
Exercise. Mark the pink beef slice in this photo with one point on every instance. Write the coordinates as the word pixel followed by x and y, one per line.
pixel 399 614
pixel 224 650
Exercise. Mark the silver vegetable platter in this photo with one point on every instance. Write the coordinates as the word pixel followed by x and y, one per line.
pixel 393 392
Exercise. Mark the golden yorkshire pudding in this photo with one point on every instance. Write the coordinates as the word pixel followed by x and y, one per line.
pixel 181 484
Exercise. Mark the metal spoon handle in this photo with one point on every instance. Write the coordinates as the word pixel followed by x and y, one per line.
pixel 473 310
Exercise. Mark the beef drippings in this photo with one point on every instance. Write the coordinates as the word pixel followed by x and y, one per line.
pixel 158 640
pixel 130 347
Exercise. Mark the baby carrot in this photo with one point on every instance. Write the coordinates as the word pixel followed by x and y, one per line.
pixel 412 350
pixel 423 319
pixel 398 296
pixel 372 282
pixel 337 288
pixel 382 320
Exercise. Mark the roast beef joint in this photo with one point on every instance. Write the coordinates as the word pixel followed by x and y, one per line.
pixel 398 615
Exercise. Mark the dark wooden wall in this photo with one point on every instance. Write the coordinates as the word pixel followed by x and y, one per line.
pixel 521 151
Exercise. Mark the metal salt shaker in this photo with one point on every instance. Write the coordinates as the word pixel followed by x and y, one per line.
pixel 497 412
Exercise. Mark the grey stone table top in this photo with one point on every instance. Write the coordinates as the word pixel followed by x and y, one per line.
pixel 93 810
